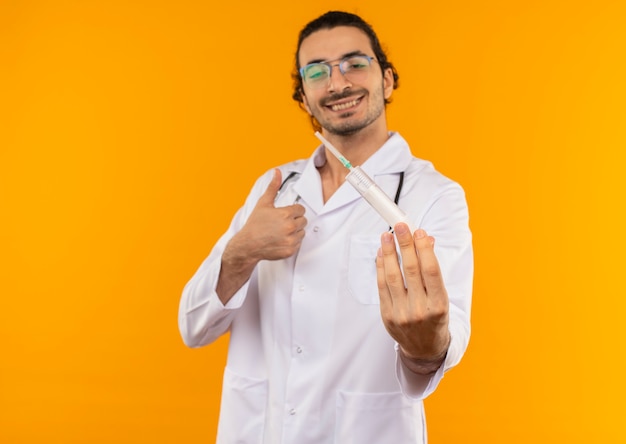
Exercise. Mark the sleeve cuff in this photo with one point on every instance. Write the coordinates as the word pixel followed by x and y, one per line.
pixel 414 385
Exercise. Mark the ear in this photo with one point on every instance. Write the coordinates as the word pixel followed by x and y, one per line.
pixel 305 103
pixel 388 82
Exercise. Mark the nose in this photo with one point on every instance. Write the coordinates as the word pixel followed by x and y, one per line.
pixel 338 81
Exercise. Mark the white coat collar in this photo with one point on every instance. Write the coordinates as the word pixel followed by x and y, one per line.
pixel 391 158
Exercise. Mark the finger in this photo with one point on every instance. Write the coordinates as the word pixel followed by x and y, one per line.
pixel 300 223
pixel 429 265
pixel 386 301
pixel 410 261
pixel 268 197
pixel 293 214
pixel 393 275
pixel 296 210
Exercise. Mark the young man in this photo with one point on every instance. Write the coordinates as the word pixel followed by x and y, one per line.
pixel 332 338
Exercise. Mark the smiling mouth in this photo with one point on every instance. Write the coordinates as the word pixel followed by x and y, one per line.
pixel 342 106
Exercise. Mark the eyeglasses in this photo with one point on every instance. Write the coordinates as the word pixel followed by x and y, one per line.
pixel 354 68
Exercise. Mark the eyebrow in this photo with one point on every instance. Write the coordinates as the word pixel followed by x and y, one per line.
pixel 348 54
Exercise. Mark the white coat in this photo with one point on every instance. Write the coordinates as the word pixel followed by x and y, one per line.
pixel 309 359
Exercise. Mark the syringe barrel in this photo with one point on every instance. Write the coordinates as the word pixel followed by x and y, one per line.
pixel 377 198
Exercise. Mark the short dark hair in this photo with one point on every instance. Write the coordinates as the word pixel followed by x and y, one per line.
pixel 330 20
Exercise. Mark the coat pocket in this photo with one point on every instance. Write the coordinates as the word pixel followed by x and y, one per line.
pixel 378 418
pixel 242 411
pixel 362 269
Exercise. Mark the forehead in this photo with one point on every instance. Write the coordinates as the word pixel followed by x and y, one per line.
pixel 330 44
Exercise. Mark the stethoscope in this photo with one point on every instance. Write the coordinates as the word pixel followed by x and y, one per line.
pixel 293 174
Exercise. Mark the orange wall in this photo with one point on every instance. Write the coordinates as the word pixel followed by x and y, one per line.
pixel 124 126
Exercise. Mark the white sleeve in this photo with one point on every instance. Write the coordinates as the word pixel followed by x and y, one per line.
pixel 447 220
pixel 202 318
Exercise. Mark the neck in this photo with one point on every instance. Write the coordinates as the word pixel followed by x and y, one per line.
pixel 357 148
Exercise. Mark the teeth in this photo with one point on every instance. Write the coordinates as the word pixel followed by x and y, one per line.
pixel 345 105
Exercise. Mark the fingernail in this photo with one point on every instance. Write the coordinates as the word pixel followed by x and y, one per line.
pixel 379 253
pixel 387 238
pixel 401 229
pixel 432 241
pixel 420 234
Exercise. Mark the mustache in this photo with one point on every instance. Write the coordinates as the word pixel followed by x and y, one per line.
pixel 343 95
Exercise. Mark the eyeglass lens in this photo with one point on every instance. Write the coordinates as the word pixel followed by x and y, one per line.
pixel 353 68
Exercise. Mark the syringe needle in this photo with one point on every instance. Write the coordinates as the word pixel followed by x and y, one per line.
pixel 333 150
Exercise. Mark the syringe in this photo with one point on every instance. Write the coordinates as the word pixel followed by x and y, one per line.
pixel 372 193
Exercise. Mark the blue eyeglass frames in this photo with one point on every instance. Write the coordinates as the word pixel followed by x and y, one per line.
pixel 353 67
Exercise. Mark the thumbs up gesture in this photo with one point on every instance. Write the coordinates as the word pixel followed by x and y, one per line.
pixel 270 233
pixel 273 233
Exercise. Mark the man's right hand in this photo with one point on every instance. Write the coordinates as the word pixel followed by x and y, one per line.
pixel 270 233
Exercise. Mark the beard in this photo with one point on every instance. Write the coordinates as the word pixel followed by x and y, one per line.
pixel 347 126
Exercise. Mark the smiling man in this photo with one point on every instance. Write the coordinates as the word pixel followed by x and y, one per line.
pixel 333 339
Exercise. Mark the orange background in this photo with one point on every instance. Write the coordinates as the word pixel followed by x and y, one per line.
pixel 131 131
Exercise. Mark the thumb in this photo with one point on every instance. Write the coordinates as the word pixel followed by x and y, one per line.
pixel 267 198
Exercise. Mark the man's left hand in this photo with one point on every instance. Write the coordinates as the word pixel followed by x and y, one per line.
pixel 413 300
